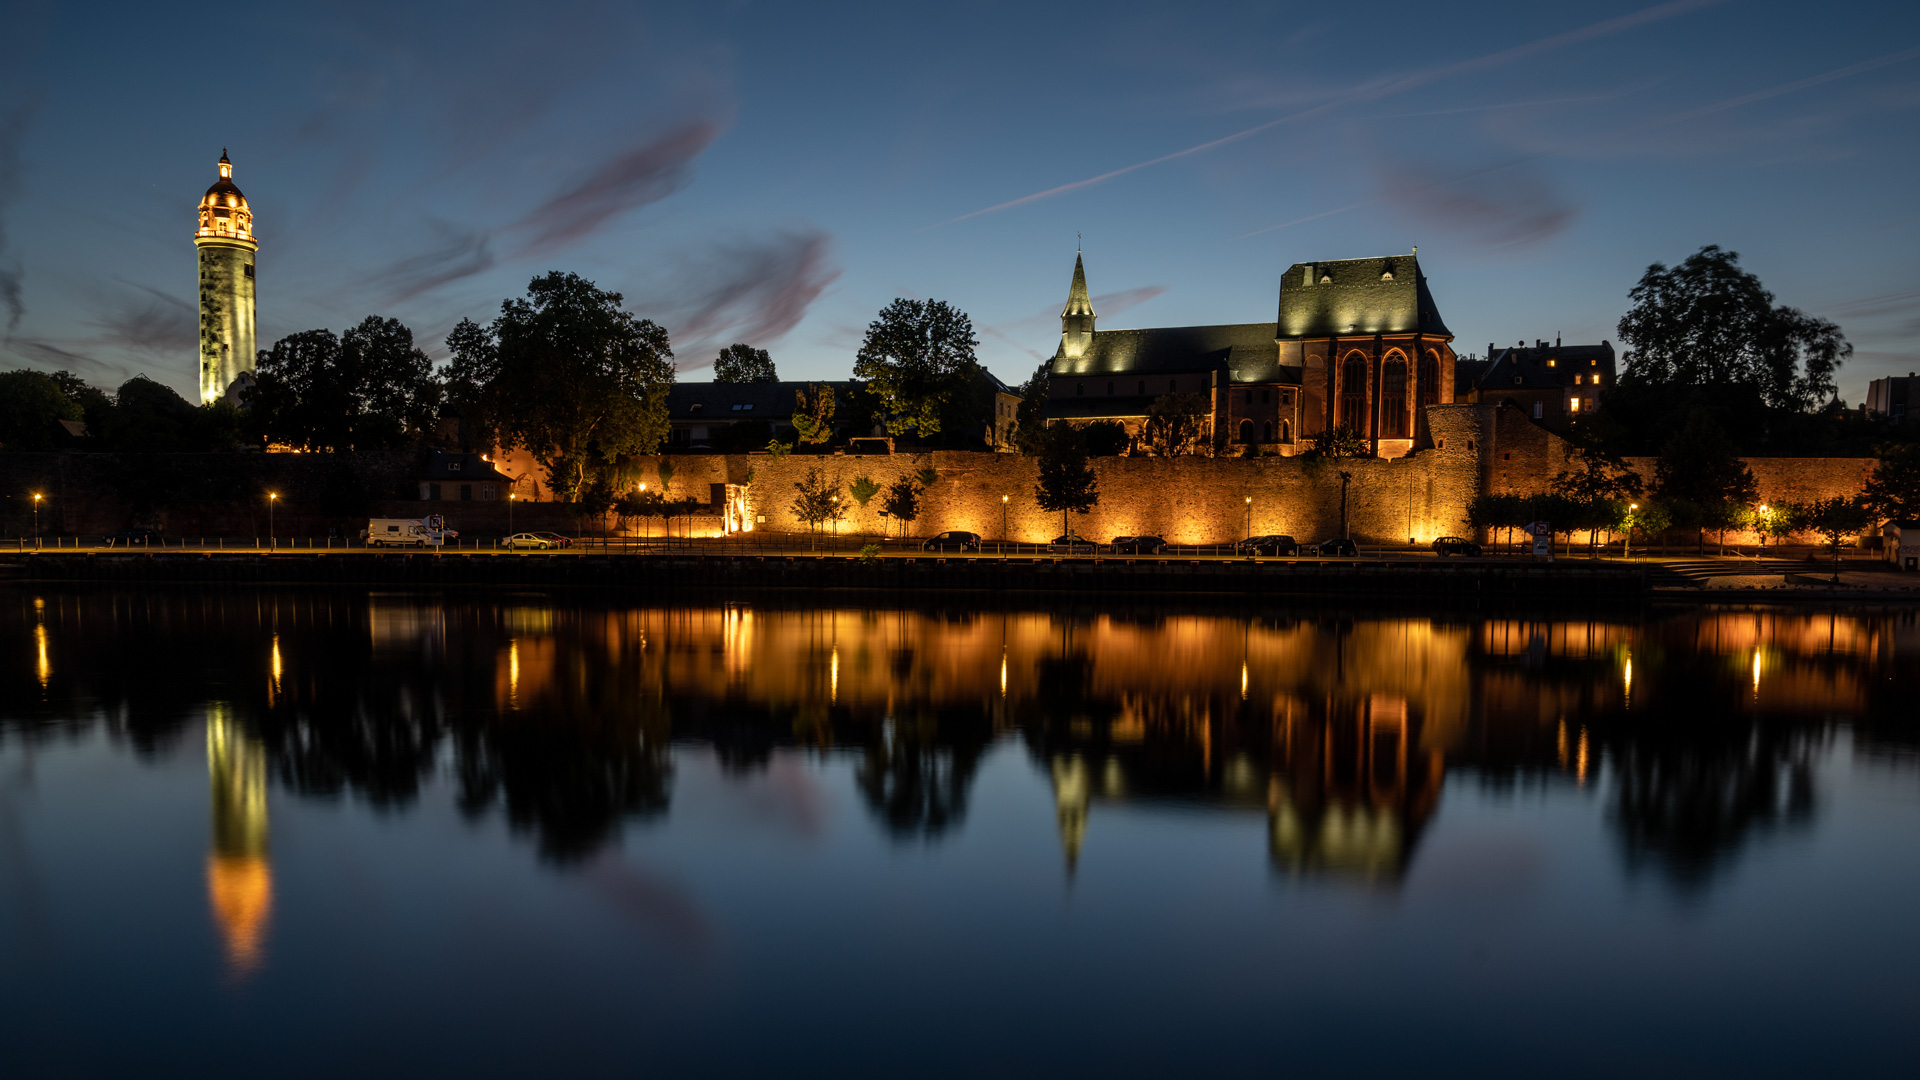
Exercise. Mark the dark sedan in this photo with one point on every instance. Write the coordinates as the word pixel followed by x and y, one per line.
pixel 1071 544
pixel 1454 545
pixel 1268 545
pixel 1138 545
pixel 952 541
pixel 1336 548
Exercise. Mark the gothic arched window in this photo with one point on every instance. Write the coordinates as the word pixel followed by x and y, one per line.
pixel 1353 393
pixel 1266 432
pixel 1430 379
pixel 1393 398
pixel 1246 431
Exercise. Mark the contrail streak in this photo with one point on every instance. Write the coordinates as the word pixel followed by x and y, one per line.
pixel 1376 91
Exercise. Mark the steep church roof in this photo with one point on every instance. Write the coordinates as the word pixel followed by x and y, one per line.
pixel 1164 349
pixel 1386 295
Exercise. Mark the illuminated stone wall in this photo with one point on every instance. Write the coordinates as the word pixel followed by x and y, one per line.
pixel 1188 500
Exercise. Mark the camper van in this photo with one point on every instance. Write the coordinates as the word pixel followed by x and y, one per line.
pixel 428 531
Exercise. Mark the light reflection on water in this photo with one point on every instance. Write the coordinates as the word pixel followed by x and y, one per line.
pixel 737 779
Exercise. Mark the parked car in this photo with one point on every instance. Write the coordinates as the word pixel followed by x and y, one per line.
pixel 527 541
pixel 1139 545
pixel 130 536
pixel 1454 545
pixel 554 538
pixel 1336 548
pixel 1274 544
pixel 1071 544
pixel 952 541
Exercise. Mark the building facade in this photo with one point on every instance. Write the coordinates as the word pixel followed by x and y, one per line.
pixel 226 246
pixel 1894 397
pixel 1358 343
pixel 1555 385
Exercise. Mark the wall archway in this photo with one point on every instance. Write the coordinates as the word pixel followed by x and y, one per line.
pixel 1246 431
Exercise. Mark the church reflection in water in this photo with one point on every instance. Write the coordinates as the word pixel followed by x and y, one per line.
pixel 1343 732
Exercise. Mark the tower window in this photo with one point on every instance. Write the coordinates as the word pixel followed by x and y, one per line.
pixel 249 269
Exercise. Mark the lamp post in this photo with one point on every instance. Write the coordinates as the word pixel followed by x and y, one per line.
pixel 1766 519
pixel 272 497
pixel 1632 510
pixel 511 499
pixel 1249 517
pixel 36 519
pixel 1003 526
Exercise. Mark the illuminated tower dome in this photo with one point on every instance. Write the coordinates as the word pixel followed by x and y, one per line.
pixel 226 243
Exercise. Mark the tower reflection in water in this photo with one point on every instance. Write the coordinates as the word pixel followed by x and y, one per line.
pixel 239 876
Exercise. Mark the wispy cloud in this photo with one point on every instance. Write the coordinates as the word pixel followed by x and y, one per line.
pixel 1514 207
pixel 13 132
pixel 148 320
pixel 459 253
pixel 645 173
pixel 1377 90
pixel 752 292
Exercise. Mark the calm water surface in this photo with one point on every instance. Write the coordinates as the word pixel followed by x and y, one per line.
pixel 300 833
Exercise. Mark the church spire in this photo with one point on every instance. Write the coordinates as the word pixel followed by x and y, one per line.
pixel 1078 302
pixel 1076 319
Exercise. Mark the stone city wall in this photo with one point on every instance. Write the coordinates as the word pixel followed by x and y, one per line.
pixel 1188 500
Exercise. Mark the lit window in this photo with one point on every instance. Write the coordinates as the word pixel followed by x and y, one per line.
pixel 1539 409
pixel 1573 404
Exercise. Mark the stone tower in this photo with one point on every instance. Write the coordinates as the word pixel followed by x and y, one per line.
pixel 227 245
pixel 1076 319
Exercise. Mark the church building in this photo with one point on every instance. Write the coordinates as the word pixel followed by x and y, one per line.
pixel 1357 343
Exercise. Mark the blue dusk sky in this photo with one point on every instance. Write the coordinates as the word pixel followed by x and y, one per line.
pixel 777 173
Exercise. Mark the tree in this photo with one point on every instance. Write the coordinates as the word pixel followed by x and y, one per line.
pixel 1700 478
pixel 1106 438
pixel 917 356
pixel 813 413
pixel 1177 424
pixel 664 469
pixel 1030 418
pixel 1834 519
pixel 743 364
pixel 1652 519
pixel 1066 483
pixel 902 503
pixel 863 489
pixel 1893 492
pixel 31 405
pixel 1600 485
pixel 819 499
pixel 568 374
pixel 1708 322
pixel 1333 444
pixel 369 388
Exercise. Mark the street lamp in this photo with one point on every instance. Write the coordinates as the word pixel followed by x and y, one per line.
pixel 511 499
pixel 1632 509
pixel 272 497
pixel 1766 518
pixel 36 519
pixel 1249 517
pixel 1003 526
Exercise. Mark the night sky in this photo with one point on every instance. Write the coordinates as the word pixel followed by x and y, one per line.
pixel 776 173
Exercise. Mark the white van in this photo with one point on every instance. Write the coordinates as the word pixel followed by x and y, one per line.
pixel 429 531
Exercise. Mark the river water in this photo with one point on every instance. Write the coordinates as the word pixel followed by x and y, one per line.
pixel 310 833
